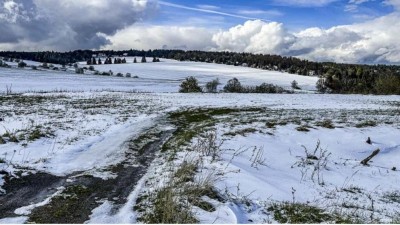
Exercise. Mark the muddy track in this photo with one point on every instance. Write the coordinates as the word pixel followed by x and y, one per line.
pixel 84 193
pixel 26 190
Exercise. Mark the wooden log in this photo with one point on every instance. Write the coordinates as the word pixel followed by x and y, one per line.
pixel 366 160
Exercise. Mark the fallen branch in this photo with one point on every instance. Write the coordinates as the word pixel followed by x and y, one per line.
pixel 366 160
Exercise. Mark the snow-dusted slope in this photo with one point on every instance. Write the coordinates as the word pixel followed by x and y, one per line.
pixel 87 131
pixel 164 76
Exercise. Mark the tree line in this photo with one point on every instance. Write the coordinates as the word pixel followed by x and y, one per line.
pixel 334 77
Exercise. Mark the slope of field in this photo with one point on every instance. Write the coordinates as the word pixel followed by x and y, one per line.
pixel 164 76
pixel 267 154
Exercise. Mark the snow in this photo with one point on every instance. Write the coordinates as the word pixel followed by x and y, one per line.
pixel 159 77
pixel 26 210
pixel 93 117
pixel 14 220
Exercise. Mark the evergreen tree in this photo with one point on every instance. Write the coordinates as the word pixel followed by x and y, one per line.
pixel 143 59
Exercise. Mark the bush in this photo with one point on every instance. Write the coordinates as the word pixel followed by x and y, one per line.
pixel 79 70
pixel 212 86
pixel 190 84
pixel 22 64
pixel 295 85
pixel 268 88
pixel 127 75
pixel 320 85
pixel 233 85
pixel 44 65
pixel 91 68
pixel 119 75
pixel 386 85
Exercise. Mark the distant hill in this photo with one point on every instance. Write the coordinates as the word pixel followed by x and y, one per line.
pixel 335 77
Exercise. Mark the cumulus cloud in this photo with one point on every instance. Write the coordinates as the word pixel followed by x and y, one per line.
pixel 254 36
pixel 159 37
pixel 374 41
pixel 72 24
pixel 66 24
pixel 394 3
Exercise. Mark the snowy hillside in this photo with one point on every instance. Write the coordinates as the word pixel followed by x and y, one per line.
pixel 164 76
pixel 93 149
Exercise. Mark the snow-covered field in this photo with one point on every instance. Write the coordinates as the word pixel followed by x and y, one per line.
pixel 83 125
pixel 164 76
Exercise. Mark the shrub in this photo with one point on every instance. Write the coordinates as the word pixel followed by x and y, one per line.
pixel 295 85
pixel 320 85
pixel 233 85
pixel 22 64
pixel 386 85
pixel 268 88
pixel 46 66
pixel 212 86
pixel 119 75
pixel 79 70
pixel 127 75
pixel 91 68
pixel 190 84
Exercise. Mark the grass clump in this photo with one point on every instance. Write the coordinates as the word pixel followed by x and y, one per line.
pixel 60 209
pixel 174 202
pixel 287 212
pixel 325 123
pixel 367 123
pixel 303 128
pixel 36 134
pixel 166 209
pixel 2 141
pixel 391 197
pixel 242 132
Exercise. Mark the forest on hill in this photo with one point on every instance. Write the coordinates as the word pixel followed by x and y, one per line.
pixel 335 77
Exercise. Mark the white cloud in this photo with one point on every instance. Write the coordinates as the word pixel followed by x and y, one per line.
pixel 158 37
pixel 304 3
pixel 208 7
pixel 394 3
pixel 254 36
pixel 261 12
pixel 373 41
pixel 68 24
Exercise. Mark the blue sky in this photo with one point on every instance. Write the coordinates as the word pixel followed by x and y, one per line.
pixel 294 15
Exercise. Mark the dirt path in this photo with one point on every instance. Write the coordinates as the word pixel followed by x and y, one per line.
pixel 84 193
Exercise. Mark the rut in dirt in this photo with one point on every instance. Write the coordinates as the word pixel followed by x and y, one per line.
pixel 83 193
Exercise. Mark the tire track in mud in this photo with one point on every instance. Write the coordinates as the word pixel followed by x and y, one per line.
pixel 84 193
